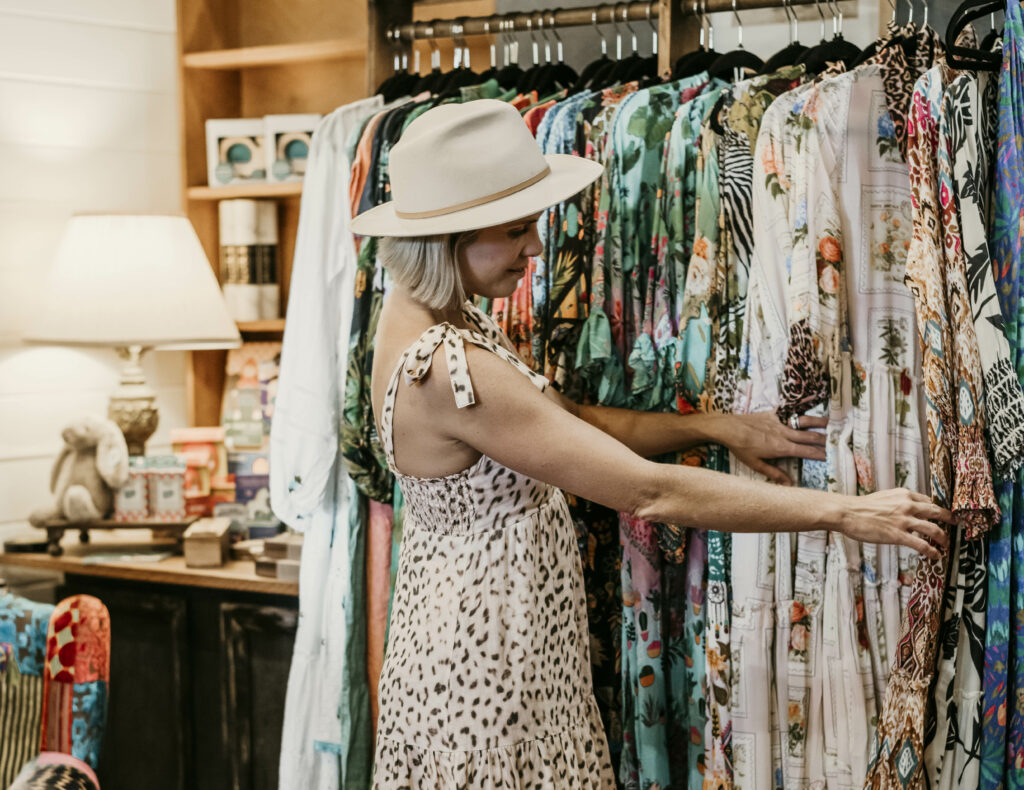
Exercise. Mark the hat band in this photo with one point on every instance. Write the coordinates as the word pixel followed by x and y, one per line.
pixel 440 212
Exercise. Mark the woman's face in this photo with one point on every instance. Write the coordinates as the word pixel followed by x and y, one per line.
pixel 494 261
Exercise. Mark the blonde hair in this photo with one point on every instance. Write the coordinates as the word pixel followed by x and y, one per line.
pixel 428 266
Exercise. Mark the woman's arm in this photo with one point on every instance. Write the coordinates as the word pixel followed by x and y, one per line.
pixel 513 423
pixel 754 438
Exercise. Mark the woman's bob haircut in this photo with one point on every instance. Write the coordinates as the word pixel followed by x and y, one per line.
pixel 427 266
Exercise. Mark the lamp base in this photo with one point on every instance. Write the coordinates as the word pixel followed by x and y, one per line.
pixel 133 403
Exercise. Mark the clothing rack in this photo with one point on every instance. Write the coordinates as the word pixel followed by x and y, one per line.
pixel 524 21
pixel 674 38
pixel 390 22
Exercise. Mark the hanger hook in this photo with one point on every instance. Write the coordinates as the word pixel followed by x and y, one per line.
pixel 604 41
pixel 465 44
pixel 625 21
pixel 493 44
pixel 817 6
pixel 545 34
pixel 513 45
pixel 654 28
pixel 534 44
pixel 613 13
pixel 739 26
pixel 833 7
pixel 457 47
pixel 553 26
pixel 435 49
pixel 710 23
pixel 794 31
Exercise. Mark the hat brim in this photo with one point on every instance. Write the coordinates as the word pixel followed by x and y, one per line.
pixel 569 174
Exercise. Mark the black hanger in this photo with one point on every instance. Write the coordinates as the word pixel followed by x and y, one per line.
pixel 650 66
pixel 631 67
pixel 835 50
pixel 395 85
pixel 966 57
pixel 788 55
pixel 509 74
pixel 600 70
pixel 993 34
pixel 530 75
pixel 552 75
pixel 732 63
pixel 433 80
pixel 692 63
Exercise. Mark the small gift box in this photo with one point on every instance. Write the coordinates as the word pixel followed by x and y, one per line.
pixel 131 501
pixel 166 488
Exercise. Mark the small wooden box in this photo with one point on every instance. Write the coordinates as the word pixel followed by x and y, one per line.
pixel 286 546
pixel 206 543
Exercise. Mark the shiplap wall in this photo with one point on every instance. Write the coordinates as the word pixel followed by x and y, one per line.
pixel 88 122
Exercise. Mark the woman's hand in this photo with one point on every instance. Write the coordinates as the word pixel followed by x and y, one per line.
pixel 897 516
pixel 758 438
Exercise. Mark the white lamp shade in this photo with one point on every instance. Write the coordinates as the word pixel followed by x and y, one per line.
pixel 132 280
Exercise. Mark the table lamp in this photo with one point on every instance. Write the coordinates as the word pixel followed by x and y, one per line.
pixel 132 282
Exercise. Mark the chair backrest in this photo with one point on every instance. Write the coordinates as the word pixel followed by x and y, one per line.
pixel 76 678
pixel 23 625
pixel 59 703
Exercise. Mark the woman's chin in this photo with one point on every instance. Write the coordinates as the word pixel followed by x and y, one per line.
pixel 506 287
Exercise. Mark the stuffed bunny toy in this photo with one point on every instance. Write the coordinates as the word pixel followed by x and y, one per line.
pixel 92 465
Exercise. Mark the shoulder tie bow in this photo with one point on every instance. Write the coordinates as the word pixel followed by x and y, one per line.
pixel 418 362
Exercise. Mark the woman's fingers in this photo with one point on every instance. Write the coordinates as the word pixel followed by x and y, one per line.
pixel 813 452
pixel 772 472
pixel 933 512
pixel 806 437
pixel 920 545
pixel 927 529
pixel 806 421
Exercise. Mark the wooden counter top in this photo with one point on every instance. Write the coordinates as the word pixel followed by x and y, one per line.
pixel 235 575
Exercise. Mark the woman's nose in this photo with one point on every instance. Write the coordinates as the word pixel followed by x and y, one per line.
pixel 533 243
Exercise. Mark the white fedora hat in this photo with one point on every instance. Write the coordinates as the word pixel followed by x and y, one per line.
pixel 462 167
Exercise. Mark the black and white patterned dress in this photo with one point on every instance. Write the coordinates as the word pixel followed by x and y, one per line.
pixel 486 680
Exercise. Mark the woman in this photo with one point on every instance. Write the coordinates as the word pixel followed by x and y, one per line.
pixel 486 681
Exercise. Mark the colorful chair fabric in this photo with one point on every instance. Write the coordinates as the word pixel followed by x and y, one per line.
pixel 56 771
pixel 59 702
pixel 23 625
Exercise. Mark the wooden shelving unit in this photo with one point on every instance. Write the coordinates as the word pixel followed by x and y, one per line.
pixel 275 326
pixel 276 54
pixel 247 59
pixel 291 189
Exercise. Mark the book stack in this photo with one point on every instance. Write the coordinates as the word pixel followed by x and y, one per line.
pixel 248 259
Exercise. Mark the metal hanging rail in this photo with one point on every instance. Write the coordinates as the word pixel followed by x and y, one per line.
pixel 567 17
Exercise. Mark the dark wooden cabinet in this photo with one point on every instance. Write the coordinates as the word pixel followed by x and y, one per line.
pixel 197 685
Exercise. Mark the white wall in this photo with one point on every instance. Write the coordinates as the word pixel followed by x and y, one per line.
pixel 88 122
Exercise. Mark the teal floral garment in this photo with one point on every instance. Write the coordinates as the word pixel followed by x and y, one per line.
pixel 658 692
pixel 629 190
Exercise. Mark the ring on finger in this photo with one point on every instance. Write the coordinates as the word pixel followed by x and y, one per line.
pixel 794 422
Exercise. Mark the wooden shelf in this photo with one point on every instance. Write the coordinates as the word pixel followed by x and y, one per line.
pixel 235 575
pixel 261 327
pixel 276 55
pixel 288 189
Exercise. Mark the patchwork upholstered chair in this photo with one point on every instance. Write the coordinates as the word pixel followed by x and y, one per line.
pixel 54 675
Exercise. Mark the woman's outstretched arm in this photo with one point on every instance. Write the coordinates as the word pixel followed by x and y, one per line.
pixel 516 425
pixel 756 439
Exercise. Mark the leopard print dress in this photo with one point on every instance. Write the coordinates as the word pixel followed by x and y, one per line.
pixel 486 680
